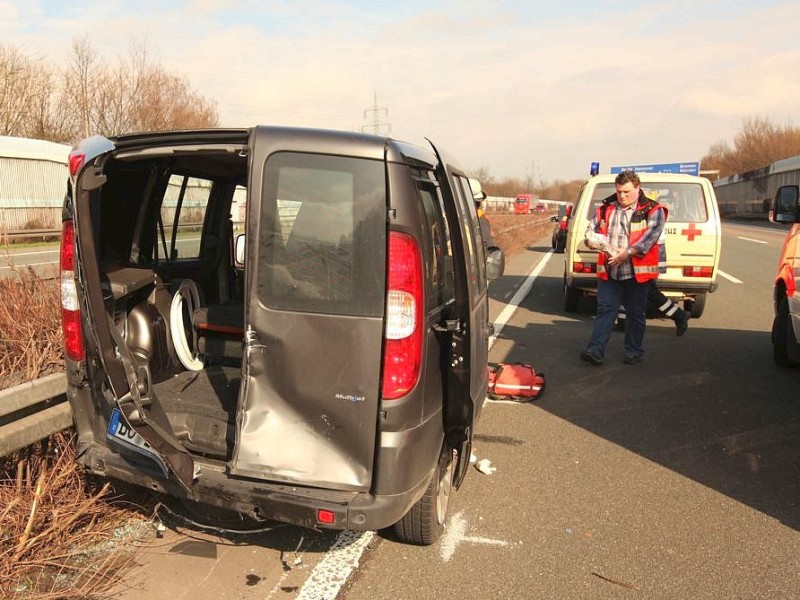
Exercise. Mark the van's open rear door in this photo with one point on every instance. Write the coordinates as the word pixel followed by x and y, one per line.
pixel 315 281
pixel 145 428
pixel 467 367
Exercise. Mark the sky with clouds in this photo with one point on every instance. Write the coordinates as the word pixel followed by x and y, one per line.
pixel 513 86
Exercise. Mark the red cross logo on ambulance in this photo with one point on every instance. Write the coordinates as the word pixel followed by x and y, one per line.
pixel 691 232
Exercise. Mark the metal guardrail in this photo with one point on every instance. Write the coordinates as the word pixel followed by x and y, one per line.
pixel 33 411
pixel 26 233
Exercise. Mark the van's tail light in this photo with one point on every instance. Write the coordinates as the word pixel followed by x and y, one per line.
pixel 697 271
pixel 76 160
pixel 584 267
pixel 70 310
pixel 402 356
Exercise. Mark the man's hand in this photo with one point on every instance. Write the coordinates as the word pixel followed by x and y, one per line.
pixel 619 258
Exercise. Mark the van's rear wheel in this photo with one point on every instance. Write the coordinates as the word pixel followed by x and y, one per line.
pixel 572 297
pixel 782 336
pixel 697 306
pixel 424 522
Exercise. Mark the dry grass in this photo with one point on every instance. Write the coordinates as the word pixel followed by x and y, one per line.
pixel 56 539
pixel 30 326
pixel 515 233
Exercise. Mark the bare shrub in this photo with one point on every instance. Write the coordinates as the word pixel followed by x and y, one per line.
pixel 31 345
pixel 57 537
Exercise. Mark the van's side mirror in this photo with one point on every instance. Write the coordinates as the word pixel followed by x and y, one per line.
pixel 239 249
pixel 495 263
pixel 554 218
pixel 785 205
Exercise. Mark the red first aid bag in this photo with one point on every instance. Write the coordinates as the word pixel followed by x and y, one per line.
pixel 515 381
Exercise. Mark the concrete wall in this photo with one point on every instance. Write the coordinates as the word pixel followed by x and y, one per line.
pixel 750 194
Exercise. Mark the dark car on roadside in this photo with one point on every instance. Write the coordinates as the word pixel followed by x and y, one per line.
pixel 561 220
pixel 323 362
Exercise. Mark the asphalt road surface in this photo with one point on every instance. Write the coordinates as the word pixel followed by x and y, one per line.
pixel 677 478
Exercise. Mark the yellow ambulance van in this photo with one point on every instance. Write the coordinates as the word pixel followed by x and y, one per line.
pixel 693 238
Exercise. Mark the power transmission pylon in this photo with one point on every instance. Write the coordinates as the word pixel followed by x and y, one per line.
pixel 376 125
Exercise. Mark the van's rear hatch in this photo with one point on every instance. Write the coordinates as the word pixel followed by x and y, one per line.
pixel 315 290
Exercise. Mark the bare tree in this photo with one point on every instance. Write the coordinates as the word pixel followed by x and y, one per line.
pixel 24 87
pixel 757 144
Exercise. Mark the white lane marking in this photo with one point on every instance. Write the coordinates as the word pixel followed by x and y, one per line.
pixel 456 534
pixel 747 239
pixel 519 296
pixel 729 277
pixel 332 572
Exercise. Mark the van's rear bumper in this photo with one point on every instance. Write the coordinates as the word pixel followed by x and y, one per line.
pixel 296 505
pixel 589 286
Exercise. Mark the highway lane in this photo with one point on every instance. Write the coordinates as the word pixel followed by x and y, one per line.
pixel 677 478
pixel 45 258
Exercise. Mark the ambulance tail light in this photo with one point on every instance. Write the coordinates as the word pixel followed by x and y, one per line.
pixel 584 267
pixel 70 310
pixel 402 357
pixel 697 271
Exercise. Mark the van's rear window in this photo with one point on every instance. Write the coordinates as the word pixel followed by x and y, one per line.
pixel 684 201
pixel 322 245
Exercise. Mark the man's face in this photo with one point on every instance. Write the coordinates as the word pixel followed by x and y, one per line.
pixel 627 194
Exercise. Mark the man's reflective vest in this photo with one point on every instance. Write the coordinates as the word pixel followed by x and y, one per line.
pixel 645 267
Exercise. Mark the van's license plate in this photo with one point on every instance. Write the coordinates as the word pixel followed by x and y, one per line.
pixel 122 433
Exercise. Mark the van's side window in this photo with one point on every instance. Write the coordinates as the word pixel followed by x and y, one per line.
pixel 183 212
pixel 441 259
pixel 469 216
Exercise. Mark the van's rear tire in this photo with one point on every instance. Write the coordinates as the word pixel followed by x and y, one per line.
pixel 697 306
pixel 572 297
pixel 783 336
pixel 424 522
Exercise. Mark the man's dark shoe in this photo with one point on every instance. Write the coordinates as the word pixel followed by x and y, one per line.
pixel 682 323
pixel 632 360
pixel 591 358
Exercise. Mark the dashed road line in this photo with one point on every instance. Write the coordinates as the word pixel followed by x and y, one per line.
pixel 747 239
pixel 518 297
pixel 729 277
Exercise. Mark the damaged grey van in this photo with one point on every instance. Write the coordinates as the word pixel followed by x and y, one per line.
pixel 288 323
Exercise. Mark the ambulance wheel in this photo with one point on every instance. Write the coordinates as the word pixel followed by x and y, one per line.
pixel 697 306
pixel 782 336
pixel 572 297
pixel 424 522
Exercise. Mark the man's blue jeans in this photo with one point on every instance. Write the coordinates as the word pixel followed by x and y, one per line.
pixel 610 295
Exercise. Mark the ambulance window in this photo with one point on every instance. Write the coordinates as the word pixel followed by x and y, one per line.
pixel 600 193
pixel 685 202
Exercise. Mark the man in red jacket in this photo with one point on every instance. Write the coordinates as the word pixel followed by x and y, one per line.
pixel 625 229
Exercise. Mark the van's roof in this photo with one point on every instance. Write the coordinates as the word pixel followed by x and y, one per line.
pixel 650 177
